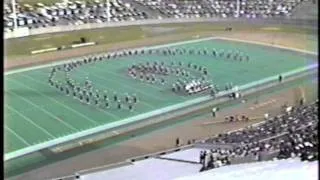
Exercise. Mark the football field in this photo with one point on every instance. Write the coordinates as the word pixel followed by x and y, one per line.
pixel 36 113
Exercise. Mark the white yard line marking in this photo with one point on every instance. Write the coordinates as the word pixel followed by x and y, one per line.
pixel 72 59
pixel 27 110
pixel 269 45
pixel 108 113
pixel 104 111
pixel 80 114
pixel 30 121
pixel 45 111
pixel 17 135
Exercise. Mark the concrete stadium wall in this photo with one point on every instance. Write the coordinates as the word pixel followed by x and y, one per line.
pixel 274 21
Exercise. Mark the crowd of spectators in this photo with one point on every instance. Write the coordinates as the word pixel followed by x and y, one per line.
pixel 81 12
pixel 68 13
pixel 291 135
pixel 296 118
pixel 222 8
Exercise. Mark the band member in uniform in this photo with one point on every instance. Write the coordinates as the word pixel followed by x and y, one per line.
pixel 115 97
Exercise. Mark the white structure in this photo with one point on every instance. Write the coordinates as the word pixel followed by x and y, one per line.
pixel 155 169
pixel 292 169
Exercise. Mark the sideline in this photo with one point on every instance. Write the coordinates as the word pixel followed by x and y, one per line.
pixel 72 59
pixel 269 45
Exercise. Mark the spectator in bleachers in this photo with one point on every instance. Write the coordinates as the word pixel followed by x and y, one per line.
pixel 293 135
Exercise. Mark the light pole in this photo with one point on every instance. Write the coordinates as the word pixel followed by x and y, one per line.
pixel 108 10
pixel 238 8
pixel 15 24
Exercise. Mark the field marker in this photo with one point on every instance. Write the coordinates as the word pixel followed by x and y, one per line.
pixel 18 136
pixel 54 99
pixel 47 112
pixel 29 120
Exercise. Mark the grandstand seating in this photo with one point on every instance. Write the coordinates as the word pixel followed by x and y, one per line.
pixel 96 12
pixel 295 140
pixel 72 13
pixel 221 8
pixel 290 135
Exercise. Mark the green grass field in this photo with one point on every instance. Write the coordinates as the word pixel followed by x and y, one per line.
pixel 36 112
pixel 38 159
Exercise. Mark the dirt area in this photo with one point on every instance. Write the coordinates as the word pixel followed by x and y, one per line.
pixel 279 38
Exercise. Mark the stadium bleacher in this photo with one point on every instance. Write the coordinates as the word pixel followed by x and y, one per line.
pixel 289 135
pixel 221 8
pixel 75 13
pixel 292 146
pixel 79 12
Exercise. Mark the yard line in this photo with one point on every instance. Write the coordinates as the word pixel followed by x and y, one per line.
pixel 47 112
pixel 30 121
pixel 17 135
pixel 147 104
pixel 109 113
pixel 106 112
pixel 127 87
pixel 80 114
